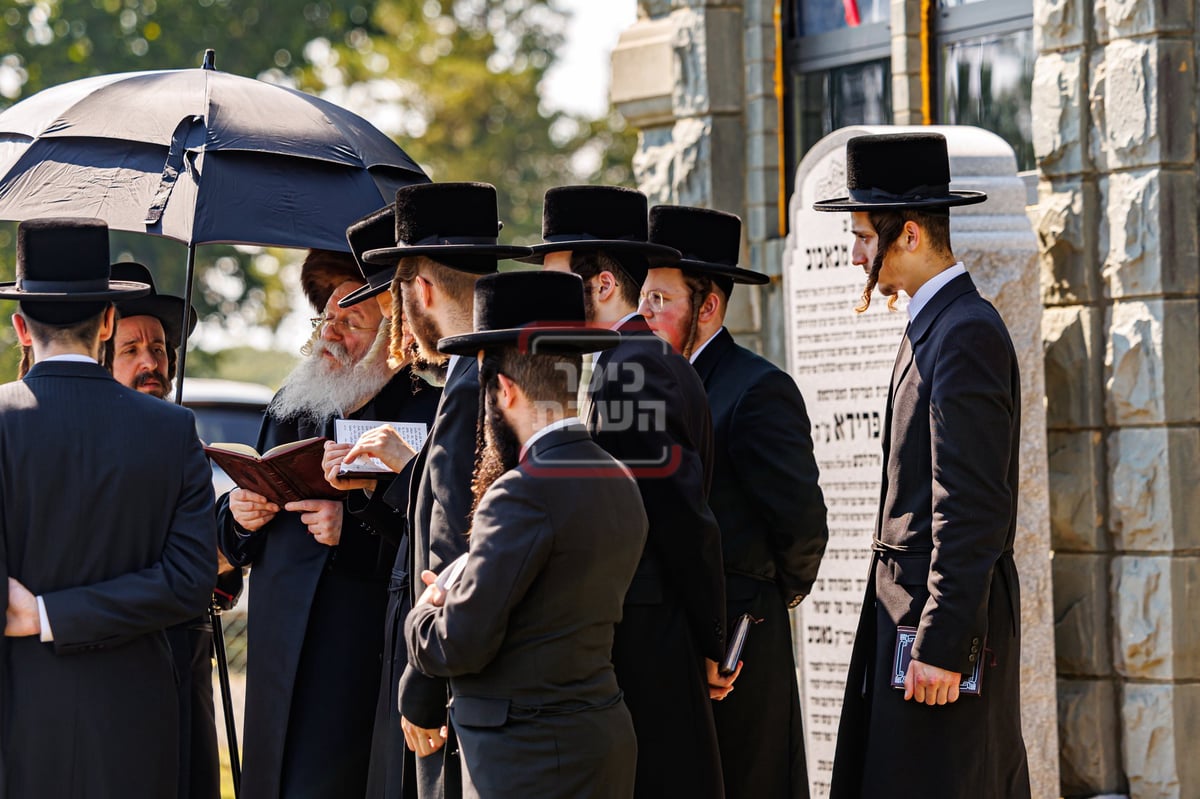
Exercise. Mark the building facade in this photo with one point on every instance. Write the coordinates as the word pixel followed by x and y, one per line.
pixel 1099 103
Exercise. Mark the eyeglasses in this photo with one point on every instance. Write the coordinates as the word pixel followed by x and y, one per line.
pixel 340 325
pixel 655 299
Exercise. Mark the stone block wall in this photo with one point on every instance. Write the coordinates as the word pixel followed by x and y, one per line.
pixel 1115 126
pixel 696 78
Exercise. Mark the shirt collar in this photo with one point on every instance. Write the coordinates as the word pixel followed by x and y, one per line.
pixel 70 357
pixel 932 287
pixel 617 324
pixel 566 421
pixel 454 359
pixel 696 352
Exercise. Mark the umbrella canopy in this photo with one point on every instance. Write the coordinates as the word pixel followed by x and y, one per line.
pixel 200 156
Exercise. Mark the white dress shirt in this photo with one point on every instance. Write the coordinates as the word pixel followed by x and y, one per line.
pixel 932 287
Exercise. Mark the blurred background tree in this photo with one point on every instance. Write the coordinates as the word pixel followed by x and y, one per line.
pixel 455 82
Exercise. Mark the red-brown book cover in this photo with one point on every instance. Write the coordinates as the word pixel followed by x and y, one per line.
pixel 283 474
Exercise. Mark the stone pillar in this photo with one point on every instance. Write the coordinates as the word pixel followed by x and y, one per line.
pixel 995 241
pixel 678 78
pixel 1115 115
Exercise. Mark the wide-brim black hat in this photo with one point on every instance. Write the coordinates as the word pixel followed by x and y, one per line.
pixel 896 171
pixel 709 241
pixel 166 308
pixel 455 223
pixel 608 218
pixel 375 231
pixel 537 312
pixel 62 261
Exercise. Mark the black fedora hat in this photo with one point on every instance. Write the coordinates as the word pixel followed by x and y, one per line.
pixel 709 241
pixel 455 223
pixel 62 261
pixel 511 310
pixel 375 231
pixel 166 308
pixel 895 171
pixel 609 218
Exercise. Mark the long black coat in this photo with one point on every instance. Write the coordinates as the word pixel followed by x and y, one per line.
pixel 315 632
pixel 106 512
pixel 943 564
pixel 526 633
pixel 432 508
pixel 772 516
pixel 647 408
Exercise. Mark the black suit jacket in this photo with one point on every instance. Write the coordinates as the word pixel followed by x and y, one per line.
pixel 765 493
pixel 106 511
pixel 648 410
pixel 439 509
pixel 526 633
pixel 943 563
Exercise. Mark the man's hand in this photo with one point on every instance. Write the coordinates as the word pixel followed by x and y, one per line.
pixel 423 742
pixel 323 518
pixel 250 510
pixel 930 685
pixel 433 595
pixel 384 443
pixel 718 686
pixel 331 464
pixel 21 618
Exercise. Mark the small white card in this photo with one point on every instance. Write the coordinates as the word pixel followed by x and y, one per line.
pixel 348 431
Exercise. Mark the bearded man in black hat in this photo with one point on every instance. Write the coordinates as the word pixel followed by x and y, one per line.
pixel 319 576
pixel 647 408
pixel 765 493
pixel 445 239
pixel 149 330
pixel 942 557
pixel 525 633
pixel 118 549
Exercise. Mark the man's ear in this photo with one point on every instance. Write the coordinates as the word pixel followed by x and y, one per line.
pixel 606 285
pixel 385 304
pixel 508 393
pixel 709 308
pixel 108 325
pixel 425 292
pixel 910 237
pixel 18 323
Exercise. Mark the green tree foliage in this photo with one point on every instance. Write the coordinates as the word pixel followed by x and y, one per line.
pixel 454 81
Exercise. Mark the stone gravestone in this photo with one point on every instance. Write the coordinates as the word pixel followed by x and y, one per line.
pixel 843 361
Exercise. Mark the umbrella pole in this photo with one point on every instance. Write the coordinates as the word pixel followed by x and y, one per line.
pixel 235 764
pixel 187 304
pixel 214 616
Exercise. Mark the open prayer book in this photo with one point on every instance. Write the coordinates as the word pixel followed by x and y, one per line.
pixel 283 474
pixel 348 431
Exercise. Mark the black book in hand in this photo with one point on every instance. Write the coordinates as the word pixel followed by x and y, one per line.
pixel 733 654
pixel 905 638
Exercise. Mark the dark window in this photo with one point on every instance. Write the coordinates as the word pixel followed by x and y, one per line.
pixel 985 55
pixel 836 73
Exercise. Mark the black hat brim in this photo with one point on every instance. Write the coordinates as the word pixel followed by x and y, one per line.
pixel 166 308
pixel 545 340
pixel 362 294
pixel 117 290
pixel 500 252
pixel 736 274
pixel 656 255
pixel 952 199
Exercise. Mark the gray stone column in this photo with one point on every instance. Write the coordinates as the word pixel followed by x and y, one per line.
pixel 1115 113
pixel 679 77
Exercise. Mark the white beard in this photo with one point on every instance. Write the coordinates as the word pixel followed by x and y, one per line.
pixel 318 389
